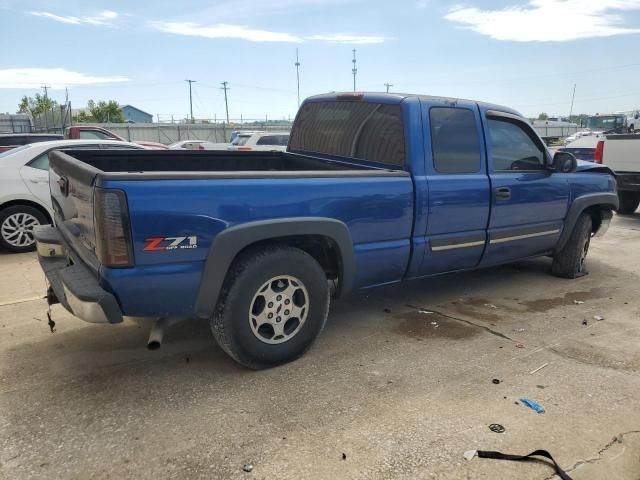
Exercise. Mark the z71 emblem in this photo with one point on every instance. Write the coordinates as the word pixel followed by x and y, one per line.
pixel 158 244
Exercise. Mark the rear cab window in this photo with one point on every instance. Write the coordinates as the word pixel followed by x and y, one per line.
pixel 8 141
pixel 94 135
pixel 455 143
pixel 354 129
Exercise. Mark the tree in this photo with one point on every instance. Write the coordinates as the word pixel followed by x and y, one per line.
pixel 36 106
pixel 101 112
pixel 543 116
pixel 106 112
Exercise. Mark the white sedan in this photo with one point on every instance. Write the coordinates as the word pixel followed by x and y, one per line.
pixel 260 141
pixel 25 200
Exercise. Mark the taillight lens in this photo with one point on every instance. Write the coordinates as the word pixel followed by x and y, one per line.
pixel 244 148
pixel 113 231
pixel 599 152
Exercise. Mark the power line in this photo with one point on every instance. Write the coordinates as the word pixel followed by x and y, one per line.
pixel 297 64
pixel 190 98
pixel 573 97
pixel 388 85
pixel 226 102
pixel 354 70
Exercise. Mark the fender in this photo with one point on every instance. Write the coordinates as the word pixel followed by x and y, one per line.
pixel 607 201
pixel 231 241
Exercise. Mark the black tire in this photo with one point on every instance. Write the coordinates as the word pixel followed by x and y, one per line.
pixel 570 261
pixel 243 338
pixel 629 202
pixel 8 218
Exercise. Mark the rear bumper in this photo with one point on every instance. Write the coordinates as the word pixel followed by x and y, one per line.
pixel 629 182
pixel 73 285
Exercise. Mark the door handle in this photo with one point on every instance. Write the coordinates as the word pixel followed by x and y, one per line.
pixel 503 193
pixel 39 180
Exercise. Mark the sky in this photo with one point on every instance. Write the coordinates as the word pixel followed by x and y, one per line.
pixel 525 54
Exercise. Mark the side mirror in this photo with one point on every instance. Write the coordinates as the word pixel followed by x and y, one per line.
pixel 564 162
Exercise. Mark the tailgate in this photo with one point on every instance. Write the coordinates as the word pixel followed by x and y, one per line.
pixel 71 184
pixel 622 153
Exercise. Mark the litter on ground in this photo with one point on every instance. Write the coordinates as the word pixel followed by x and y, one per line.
pixel 533 405
pixel 539 368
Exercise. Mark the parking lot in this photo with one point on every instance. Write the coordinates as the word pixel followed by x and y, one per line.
pixel 399 385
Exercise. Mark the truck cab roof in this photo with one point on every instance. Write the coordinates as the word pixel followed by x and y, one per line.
pixel 383 97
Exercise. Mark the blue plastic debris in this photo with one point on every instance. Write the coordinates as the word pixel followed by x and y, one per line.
pixel 533 405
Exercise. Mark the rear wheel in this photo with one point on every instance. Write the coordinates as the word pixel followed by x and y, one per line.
pixel 273 305
pixel 16 227
pixel 629 202
pixel 570 262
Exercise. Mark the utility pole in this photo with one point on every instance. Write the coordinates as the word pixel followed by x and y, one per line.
pixel 190 99
pixel 226 103
pixel 572 99
pixel 46 98
pixel 354 70
pixel 388 85
pixel 297 64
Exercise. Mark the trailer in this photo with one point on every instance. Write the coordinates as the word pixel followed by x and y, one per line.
pixel 553 128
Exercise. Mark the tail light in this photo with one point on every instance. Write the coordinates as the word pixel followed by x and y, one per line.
pixel 200 146
pixel 244 148
pixel 113 231
pixel 599 152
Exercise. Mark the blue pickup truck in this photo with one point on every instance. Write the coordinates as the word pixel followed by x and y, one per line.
pixel 374 189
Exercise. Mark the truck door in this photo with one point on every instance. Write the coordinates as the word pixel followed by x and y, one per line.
pixel 458 198
pixel 528 202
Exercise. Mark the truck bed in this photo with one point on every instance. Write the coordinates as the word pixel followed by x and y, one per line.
pixel 158 163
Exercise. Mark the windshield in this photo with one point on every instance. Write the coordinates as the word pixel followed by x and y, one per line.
pixel 240 140
pixel 605 122
pixel 15 150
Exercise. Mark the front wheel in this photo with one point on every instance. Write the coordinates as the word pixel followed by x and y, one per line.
pixel 16 227
pixel 570 262
pixel 273 305
pixel 629 202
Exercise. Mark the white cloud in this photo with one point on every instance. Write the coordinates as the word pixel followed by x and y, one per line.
pixel 346 38
pixel 55 77
pixel 105 18
pixel 222 30
pixel 548 20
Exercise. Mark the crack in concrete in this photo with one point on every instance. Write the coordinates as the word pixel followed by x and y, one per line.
pixel 468 322
pixel 575 358
pixel 22 300
pixel 617 439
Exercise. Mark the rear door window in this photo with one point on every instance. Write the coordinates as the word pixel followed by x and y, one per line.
pixel 454 140
pixel 269 140
pixel 362 130
pixel 240 140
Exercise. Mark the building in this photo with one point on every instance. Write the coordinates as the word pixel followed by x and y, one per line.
pixel 135 115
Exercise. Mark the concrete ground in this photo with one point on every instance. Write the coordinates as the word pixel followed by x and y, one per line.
pixel 388 391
